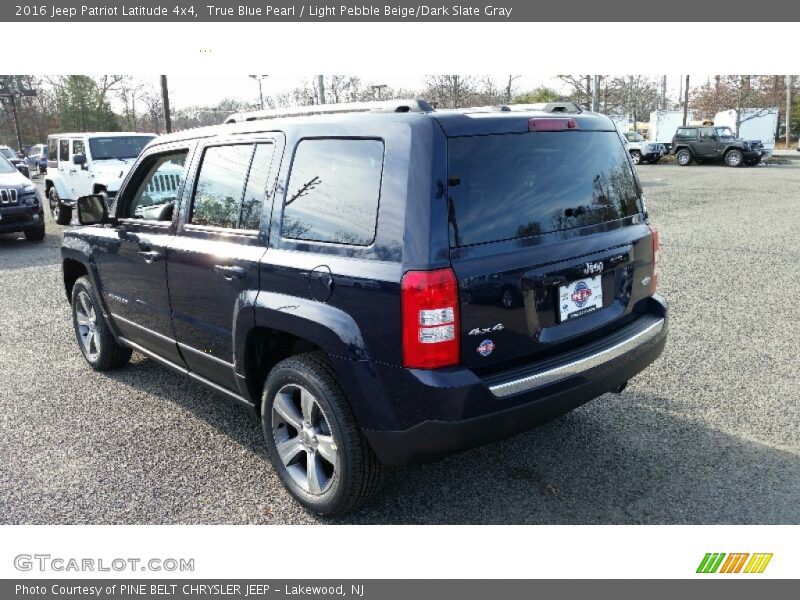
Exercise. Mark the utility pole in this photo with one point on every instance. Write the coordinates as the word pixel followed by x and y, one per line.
pixel 686 101
pixel 321 88
pixel 664 93
pixel 378 88
pixel 596 93
pixel 260 93
pixel 788 109
pixel 165 98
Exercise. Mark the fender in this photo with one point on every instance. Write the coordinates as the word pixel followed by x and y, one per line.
pixel 331 329
pixel 79 250
pixel 55 180
pixel 340 336
pixel 110 185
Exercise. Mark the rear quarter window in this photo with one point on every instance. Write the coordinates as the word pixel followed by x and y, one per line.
pixel 333 191
pixel 686 133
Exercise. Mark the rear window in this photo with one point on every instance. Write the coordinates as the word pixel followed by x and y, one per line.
pixel 516 185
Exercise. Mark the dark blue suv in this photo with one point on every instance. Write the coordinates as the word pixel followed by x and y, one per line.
pixel 383 287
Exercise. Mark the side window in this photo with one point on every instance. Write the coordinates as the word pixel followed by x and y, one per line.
pixel 78 147
pixel 220 186
pixel 250 217
pixel 707 133
pixel 157 192
pixel 52 149
pixel 333 191
pixel 64 151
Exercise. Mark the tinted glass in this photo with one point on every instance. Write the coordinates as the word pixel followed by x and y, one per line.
pixel 104 148
pixel 52 149
pixel 686 133
pixel 333 191
pixel 256 188
pixel 220 186
pixel 517 185
pixel 8 153
pixel 64 150
pixel 77 147
pixel 157 194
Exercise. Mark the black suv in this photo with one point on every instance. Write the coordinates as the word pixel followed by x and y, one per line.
pixel 20 209
pixel 715 143
pixel 330 271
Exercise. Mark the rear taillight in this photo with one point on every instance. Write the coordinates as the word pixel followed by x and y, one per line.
pixel 430 319
pixel 656 247
pixel 551 124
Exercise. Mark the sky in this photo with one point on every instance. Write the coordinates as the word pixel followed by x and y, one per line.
pixel 193 90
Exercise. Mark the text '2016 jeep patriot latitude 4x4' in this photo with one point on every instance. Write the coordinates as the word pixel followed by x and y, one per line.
pixel 331 272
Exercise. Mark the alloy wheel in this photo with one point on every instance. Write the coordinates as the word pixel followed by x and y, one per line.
pixel 303 439
pixel 86 317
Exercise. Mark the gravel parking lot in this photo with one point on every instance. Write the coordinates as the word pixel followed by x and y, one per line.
pixel 709 434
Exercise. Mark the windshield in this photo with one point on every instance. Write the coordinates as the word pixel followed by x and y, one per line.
pixel 516 185
pixel 5 166
pixel 8 153
pixel 724 132
pixel 634 137
pixel 104 148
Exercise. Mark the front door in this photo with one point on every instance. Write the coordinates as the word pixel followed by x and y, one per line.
pixel 133 262
pixel 80 179
pixel 213 261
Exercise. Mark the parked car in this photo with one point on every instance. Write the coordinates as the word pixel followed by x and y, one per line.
pixel 713 144
pixel 641 150
pixel 244 279
pixel 80 164
pixel 20 209
pixel 19 163
pixel 37 159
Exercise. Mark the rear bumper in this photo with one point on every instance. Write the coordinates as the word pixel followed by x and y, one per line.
pixel 474 411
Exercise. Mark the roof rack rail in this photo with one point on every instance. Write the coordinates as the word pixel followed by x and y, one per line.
pixel 416 105
pixel 563 106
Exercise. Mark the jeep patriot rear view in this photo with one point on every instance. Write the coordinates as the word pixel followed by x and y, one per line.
pixel 383 287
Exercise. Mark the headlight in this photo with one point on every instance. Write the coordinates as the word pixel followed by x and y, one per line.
pixel 29 188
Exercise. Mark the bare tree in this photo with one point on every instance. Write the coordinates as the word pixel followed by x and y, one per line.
pixel 450 91
pixel 757 93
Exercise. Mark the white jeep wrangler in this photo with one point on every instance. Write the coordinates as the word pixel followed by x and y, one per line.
pixel 641 150
pixel 79 164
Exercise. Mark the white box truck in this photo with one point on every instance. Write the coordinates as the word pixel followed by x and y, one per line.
pixel 664 123
pixel 754 124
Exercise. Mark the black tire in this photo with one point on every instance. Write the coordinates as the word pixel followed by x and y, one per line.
pixel 683 157
pixel 61 214
pixel 35 234
pixel 355 475
pixel 636 157
pixel 109 354
pixel 734 158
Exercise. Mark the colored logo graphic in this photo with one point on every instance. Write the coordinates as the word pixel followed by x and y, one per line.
pixel 486 347
pixel 719 562
pixel 581 294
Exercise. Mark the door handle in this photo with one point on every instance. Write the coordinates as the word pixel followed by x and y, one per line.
pixel 230 272
pixel 150 256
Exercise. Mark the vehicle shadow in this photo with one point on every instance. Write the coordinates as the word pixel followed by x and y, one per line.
pixel 620 459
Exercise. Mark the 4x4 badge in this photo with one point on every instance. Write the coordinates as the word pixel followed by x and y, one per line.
pixel 480 330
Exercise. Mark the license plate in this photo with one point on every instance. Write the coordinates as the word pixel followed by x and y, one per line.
pixel 580 298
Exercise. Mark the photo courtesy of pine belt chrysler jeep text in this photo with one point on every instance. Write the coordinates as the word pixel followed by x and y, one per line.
pixel 383 287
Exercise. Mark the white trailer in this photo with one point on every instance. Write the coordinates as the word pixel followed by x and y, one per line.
pixel 664 124
pixel 754 124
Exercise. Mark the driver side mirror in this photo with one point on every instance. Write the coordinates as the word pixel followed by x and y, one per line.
pixel 79 159
pixel 92 210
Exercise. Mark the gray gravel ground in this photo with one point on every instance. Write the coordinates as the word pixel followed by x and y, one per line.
pixel 708 434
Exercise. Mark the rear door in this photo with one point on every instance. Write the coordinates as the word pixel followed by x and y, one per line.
pixel 213 262
pixel 548 241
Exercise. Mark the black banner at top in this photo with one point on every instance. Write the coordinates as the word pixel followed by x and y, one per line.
pixel 397 10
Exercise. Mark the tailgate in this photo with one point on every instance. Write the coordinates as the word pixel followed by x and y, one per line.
pixel 548 242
